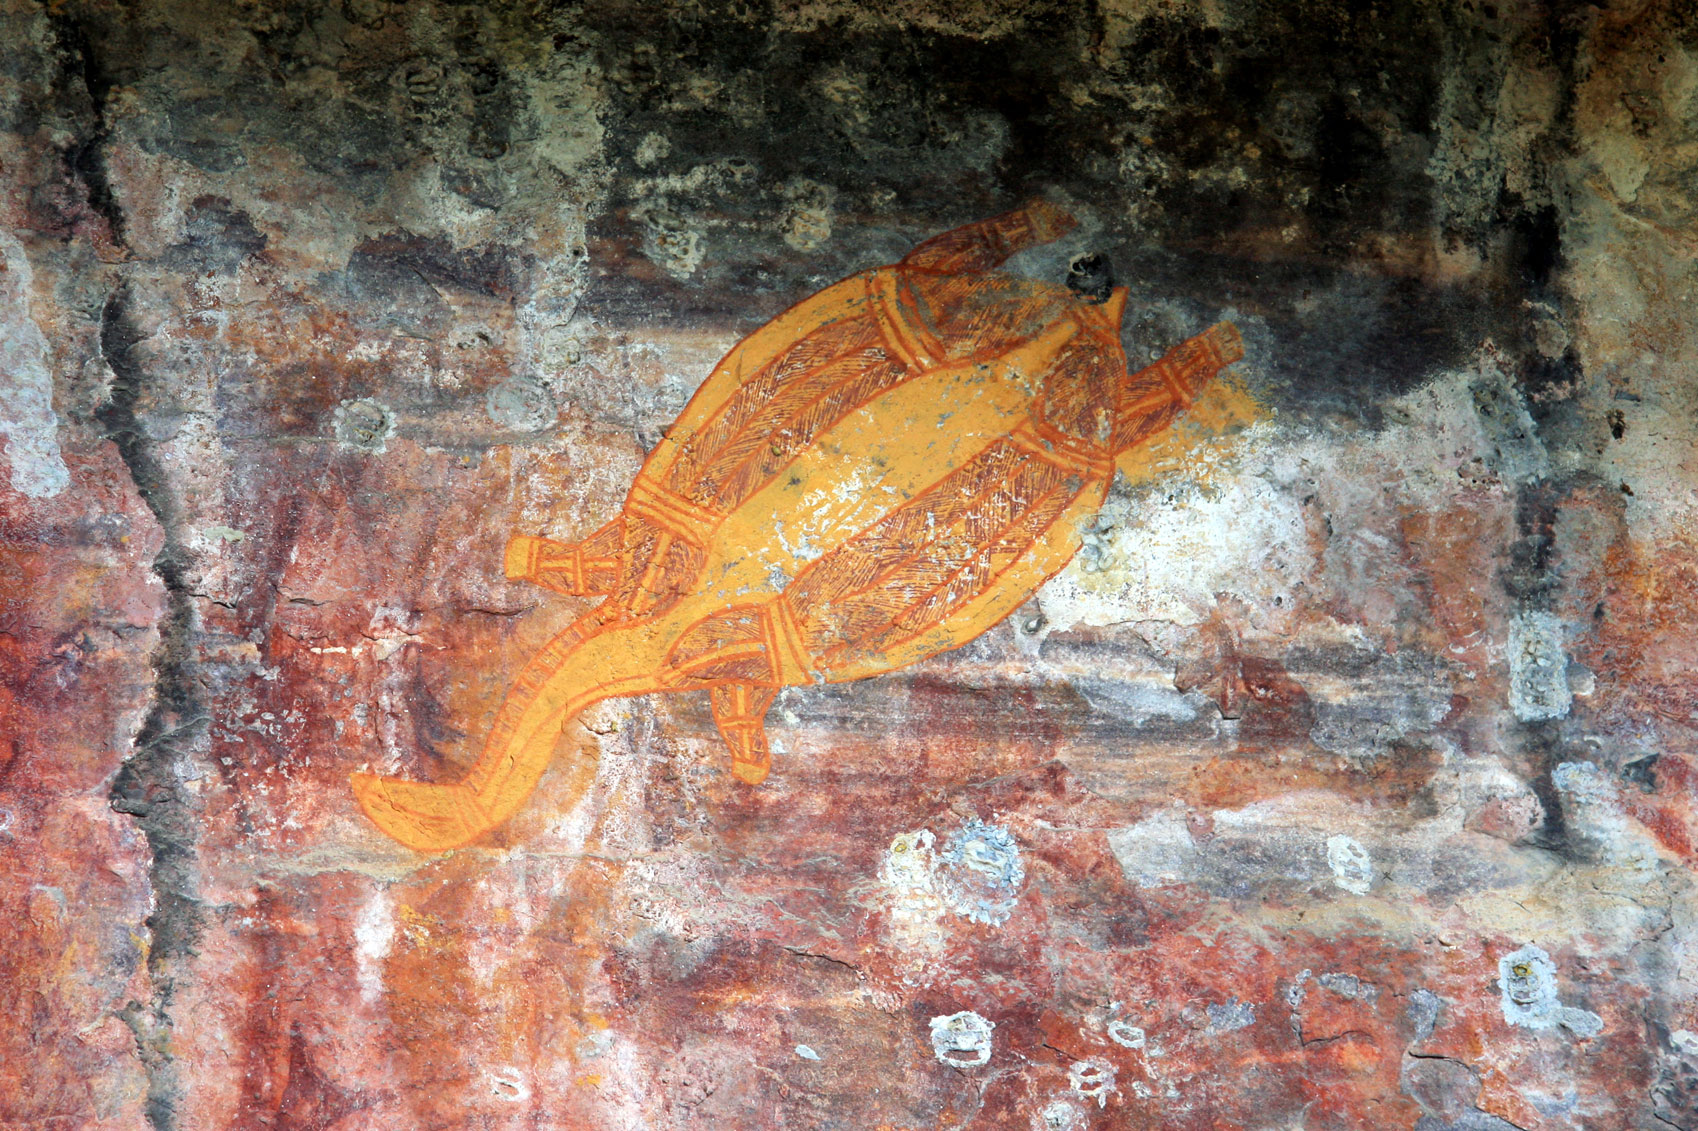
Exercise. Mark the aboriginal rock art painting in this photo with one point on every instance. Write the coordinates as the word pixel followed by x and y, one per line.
pixel 881 473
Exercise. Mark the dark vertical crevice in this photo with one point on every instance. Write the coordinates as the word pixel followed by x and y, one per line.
pixel 148 786
pixel 1531 580
pixel 1534 227
pixel 86 156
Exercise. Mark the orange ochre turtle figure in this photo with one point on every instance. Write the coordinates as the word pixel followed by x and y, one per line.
pixel 879 474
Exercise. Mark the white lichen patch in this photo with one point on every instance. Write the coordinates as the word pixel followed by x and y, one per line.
pixel 652 149
pixel 374 933
pixel 671 240
pixel 1092 1079
pixel 908 863
pixel 915 909
pixel 1230 1016
pixel 977 876
pixel 1059 1115
pixel 1538 667
pixel 808 213
pixel 507 1084
pixel 1126 1035
pixel 962 1040
pixel 1527 986
pixel 1352 867
pixel 363 425
pixel 521 404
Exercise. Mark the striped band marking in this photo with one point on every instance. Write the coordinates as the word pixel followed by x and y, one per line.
pixel 1059 449
pixel 1172 375
pixel 899 334
pixel 908 308
pixel 785 651
pixel 573 568
pixel 672 512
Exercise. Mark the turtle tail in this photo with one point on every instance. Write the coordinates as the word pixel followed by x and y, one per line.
pixel 568 675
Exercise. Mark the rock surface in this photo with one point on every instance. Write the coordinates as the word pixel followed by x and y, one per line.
pixel 1346 778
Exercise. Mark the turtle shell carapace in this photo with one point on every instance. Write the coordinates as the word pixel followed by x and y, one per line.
pixel 881 473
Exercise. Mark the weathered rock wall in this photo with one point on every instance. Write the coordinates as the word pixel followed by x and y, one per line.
pixel 1345 779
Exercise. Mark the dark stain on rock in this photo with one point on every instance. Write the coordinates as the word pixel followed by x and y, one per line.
pixel 312 1101
pixel 1315 121
pixel 217 237
pixel 494 272
pixel 1531 576
pixel 1543 746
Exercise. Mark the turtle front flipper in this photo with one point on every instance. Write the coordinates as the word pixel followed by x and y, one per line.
pixel 740 709
pixel 1151 398
pixel 590 568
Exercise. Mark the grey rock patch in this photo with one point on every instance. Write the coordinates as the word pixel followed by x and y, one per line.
pixel 962 1040
pixel 1538 667
pixel 27 419
pixel 364 425
pixel 521 404
pixel 1229 1017
pixel 980 873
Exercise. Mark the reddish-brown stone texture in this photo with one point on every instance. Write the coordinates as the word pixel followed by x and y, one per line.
pixel 1346 779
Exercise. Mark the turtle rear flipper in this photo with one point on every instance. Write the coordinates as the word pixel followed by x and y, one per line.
pixel 740 709
pixel 423 816
pixel 575 669
pixel 590 568
pixel 985 245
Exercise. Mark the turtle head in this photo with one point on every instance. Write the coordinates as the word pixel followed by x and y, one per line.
pixel 1091 277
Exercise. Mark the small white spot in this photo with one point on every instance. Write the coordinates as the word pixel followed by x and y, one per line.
pixel 1092 1080
pixel 652 148
pixel 1126 1036
pixel 1059 1115
pixel 806 1053
pixel 508 1084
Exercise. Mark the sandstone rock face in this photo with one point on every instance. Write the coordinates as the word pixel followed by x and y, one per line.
pixel 1346 778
